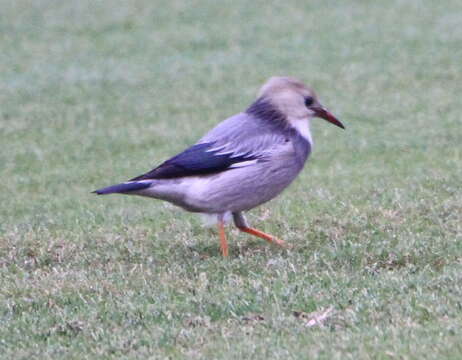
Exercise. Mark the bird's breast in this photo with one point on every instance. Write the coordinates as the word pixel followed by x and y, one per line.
pixel 301 148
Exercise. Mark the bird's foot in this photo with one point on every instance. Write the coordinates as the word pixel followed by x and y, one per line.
pixel 281 243
pixel 270 238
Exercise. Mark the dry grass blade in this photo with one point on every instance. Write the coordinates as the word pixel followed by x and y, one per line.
pixel 316 317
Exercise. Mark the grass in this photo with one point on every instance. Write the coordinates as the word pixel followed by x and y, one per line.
pixel 96 92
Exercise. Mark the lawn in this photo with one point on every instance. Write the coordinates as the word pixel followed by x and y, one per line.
pixel 96 92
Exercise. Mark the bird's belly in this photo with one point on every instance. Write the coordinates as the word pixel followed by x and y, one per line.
pixel 242 188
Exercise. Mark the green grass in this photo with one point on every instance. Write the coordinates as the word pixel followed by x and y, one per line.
pixel 96 92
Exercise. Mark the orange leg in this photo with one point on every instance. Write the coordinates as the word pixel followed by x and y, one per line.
pixel 223 242
pixel 271 239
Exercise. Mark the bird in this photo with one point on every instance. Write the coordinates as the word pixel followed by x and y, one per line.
pixel 241 163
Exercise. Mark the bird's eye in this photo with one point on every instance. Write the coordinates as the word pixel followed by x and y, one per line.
pixel 309 101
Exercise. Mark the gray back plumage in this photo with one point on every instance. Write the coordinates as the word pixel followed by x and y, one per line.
pixel 246 133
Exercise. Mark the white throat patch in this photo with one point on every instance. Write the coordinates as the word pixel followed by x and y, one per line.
pixel 303 128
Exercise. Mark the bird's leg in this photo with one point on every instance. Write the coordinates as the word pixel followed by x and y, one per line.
pixel 241 224
pixel 270 238
pixel 221 232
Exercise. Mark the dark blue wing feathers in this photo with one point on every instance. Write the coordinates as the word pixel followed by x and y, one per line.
pixel 199 159
pixel 122 188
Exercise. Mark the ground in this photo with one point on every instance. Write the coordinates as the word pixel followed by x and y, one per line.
pixel 96 92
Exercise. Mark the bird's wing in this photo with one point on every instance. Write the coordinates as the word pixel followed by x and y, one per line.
pixel 236 142
pixel 199 159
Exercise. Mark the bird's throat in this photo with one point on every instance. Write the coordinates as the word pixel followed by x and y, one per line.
pixel 302 126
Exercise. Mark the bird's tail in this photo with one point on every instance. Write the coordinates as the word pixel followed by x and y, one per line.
pixel 123 188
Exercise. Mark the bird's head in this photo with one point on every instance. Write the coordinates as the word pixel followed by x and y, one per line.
pixel 295 100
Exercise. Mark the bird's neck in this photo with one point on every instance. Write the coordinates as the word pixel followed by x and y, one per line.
pixel 302 126
pixel 265 110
